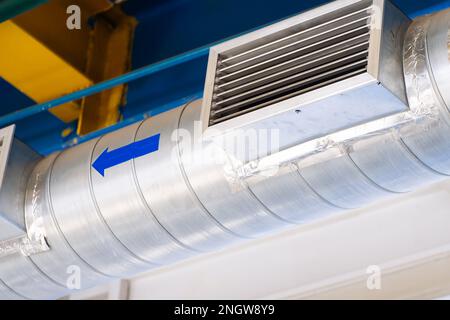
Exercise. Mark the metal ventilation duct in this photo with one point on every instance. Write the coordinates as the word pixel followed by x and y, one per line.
pixel 194 195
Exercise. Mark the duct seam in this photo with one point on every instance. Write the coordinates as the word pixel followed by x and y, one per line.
pixel 35 197
pixel 102 218
pixel 266 208
pixel 34 225
pixel 420 160
pixel 64 241
pixel 297 170
pixel 147 205
pixel 370 180
pixel 405 148
pixel 252 195
pixel 45 275
pixel 337 171
pixel 191 189
pixel 13 291
pixel 55 220
pixel 422 90
pixel 434 76
pixel 35 276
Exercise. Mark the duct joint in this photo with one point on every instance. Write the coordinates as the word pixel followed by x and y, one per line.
pixel 20 232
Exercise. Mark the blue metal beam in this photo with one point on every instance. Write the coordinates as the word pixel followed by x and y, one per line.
pixel 41 129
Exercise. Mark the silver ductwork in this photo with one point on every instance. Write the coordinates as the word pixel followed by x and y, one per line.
pixel 198 194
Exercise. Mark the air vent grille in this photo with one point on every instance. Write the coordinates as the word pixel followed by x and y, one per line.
pixel 291 62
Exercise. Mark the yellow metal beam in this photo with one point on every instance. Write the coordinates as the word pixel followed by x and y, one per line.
pixel 47 23
pixel 108 57
pixel 41 57
pixel 45 29
pixel 37 71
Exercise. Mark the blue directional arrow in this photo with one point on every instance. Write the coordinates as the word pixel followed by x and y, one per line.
pixel 123 154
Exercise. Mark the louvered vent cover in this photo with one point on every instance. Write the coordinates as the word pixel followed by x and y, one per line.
pixel 290 62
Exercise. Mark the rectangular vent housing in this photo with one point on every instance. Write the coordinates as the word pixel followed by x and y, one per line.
pixel 291 62
pixel 290 65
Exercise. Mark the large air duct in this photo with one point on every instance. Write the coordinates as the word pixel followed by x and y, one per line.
pixel 376 86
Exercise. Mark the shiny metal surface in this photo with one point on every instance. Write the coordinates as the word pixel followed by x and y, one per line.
pixel 18 166
pixel 239 211
pixel 427 68
pixel 56 263
pixel 290 197
pixel 437 50
pixel 388 163
pixel 125 210
pixel 79 218
pixel 7 294
pixel 189 197
pixel 163 184
pixel 19 232
pixel 21 275
pixel 340 182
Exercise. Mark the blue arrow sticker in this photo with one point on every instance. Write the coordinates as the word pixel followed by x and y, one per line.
pixel 126 153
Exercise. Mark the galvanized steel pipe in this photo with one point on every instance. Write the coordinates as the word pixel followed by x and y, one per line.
pixel 162 208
